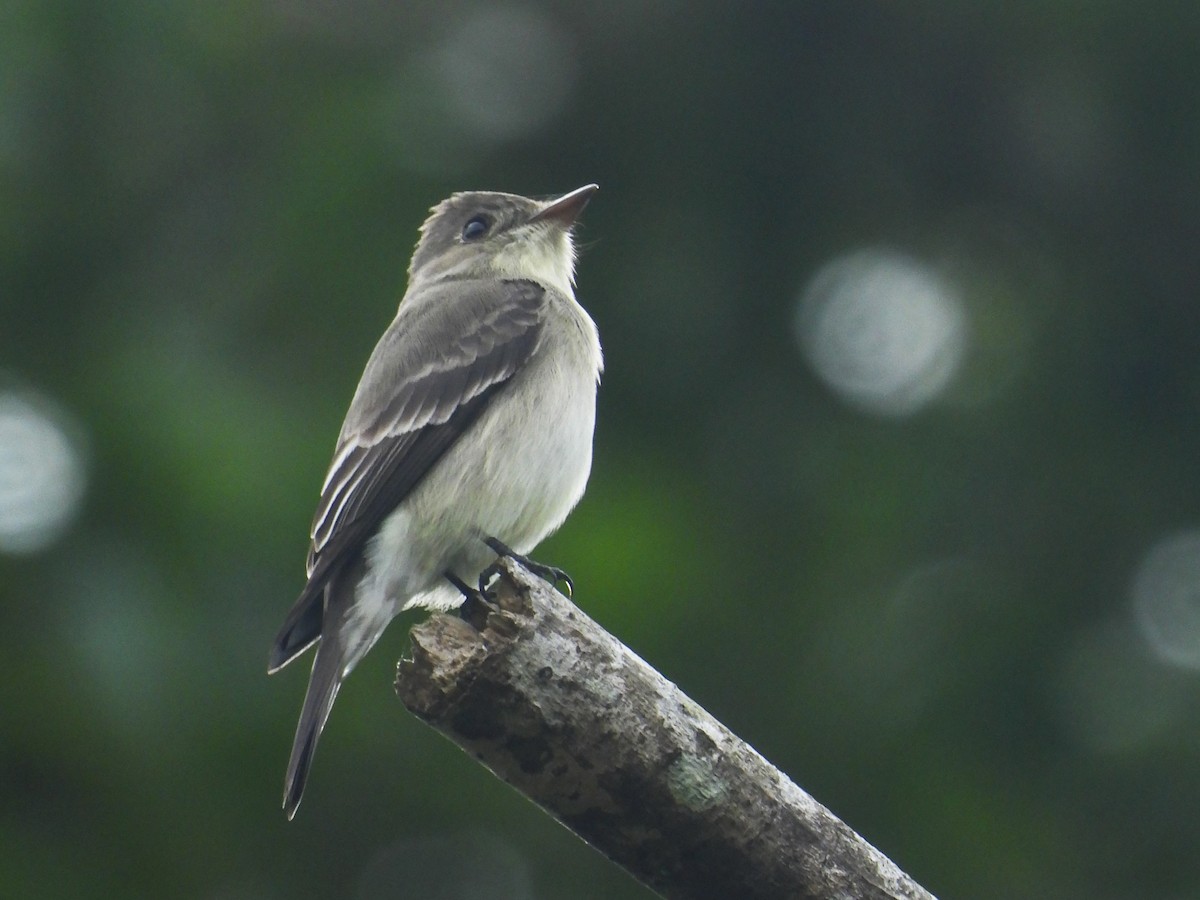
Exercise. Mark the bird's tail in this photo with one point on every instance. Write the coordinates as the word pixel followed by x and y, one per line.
pixel 323 686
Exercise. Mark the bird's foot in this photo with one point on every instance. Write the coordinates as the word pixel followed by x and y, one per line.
pixel 476 603
pixel 552 574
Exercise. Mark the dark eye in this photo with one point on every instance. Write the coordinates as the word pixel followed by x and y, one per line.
pixel 475 228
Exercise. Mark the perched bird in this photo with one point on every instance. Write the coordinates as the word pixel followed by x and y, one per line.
pixel 470 433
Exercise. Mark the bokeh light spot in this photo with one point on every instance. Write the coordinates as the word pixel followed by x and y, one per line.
pixel 897 663
pixel 469 864
pixel 41 473
pixel 505 72
pixel 1166 599
pixel 882 330
pixel 1112 696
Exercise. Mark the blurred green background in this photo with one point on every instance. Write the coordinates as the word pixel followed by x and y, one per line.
pixel 896 464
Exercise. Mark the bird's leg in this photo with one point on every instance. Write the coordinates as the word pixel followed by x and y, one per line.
pixel 552 574
pixel 475 606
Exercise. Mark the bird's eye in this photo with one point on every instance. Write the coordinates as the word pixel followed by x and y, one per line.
pixel 475 228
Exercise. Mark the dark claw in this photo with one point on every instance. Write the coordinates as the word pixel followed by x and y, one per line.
pixel 552 574
pixel 475 606
pixel 487 575
pixel 558 575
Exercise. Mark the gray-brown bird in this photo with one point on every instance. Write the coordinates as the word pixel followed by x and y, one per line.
pixel 470 431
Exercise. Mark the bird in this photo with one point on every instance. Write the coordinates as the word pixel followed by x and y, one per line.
pixel 469 435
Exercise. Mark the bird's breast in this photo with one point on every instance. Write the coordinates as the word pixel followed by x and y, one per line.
pixel 515 474
pixel 539 433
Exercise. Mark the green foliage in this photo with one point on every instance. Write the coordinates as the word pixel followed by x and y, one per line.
pixel 926 616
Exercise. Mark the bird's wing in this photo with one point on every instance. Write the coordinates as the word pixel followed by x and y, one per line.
pixel 432 373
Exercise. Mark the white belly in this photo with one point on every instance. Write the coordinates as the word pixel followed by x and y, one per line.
pixel 521 469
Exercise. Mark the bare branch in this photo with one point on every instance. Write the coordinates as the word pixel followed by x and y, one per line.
pixel 573 719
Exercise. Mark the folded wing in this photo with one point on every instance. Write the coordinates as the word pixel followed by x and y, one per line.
pixel 431 375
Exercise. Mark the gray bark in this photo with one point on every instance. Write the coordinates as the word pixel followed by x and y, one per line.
pixel 570 717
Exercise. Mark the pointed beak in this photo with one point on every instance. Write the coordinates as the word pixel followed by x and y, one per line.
pixel 566 209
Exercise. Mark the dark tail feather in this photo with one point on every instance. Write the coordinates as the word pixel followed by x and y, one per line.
pixel 300 630
pixel 323 686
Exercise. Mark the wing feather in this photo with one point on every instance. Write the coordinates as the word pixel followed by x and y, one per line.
pixel 433 372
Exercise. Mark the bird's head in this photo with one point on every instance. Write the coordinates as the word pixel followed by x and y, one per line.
pixel 478 234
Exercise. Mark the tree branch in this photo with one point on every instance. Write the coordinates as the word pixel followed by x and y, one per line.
pixel 573 719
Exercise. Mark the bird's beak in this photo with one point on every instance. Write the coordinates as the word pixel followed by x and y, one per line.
pixel 566 209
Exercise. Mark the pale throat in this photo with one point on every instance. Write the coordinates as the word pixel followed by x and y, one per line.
pixel 549 262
